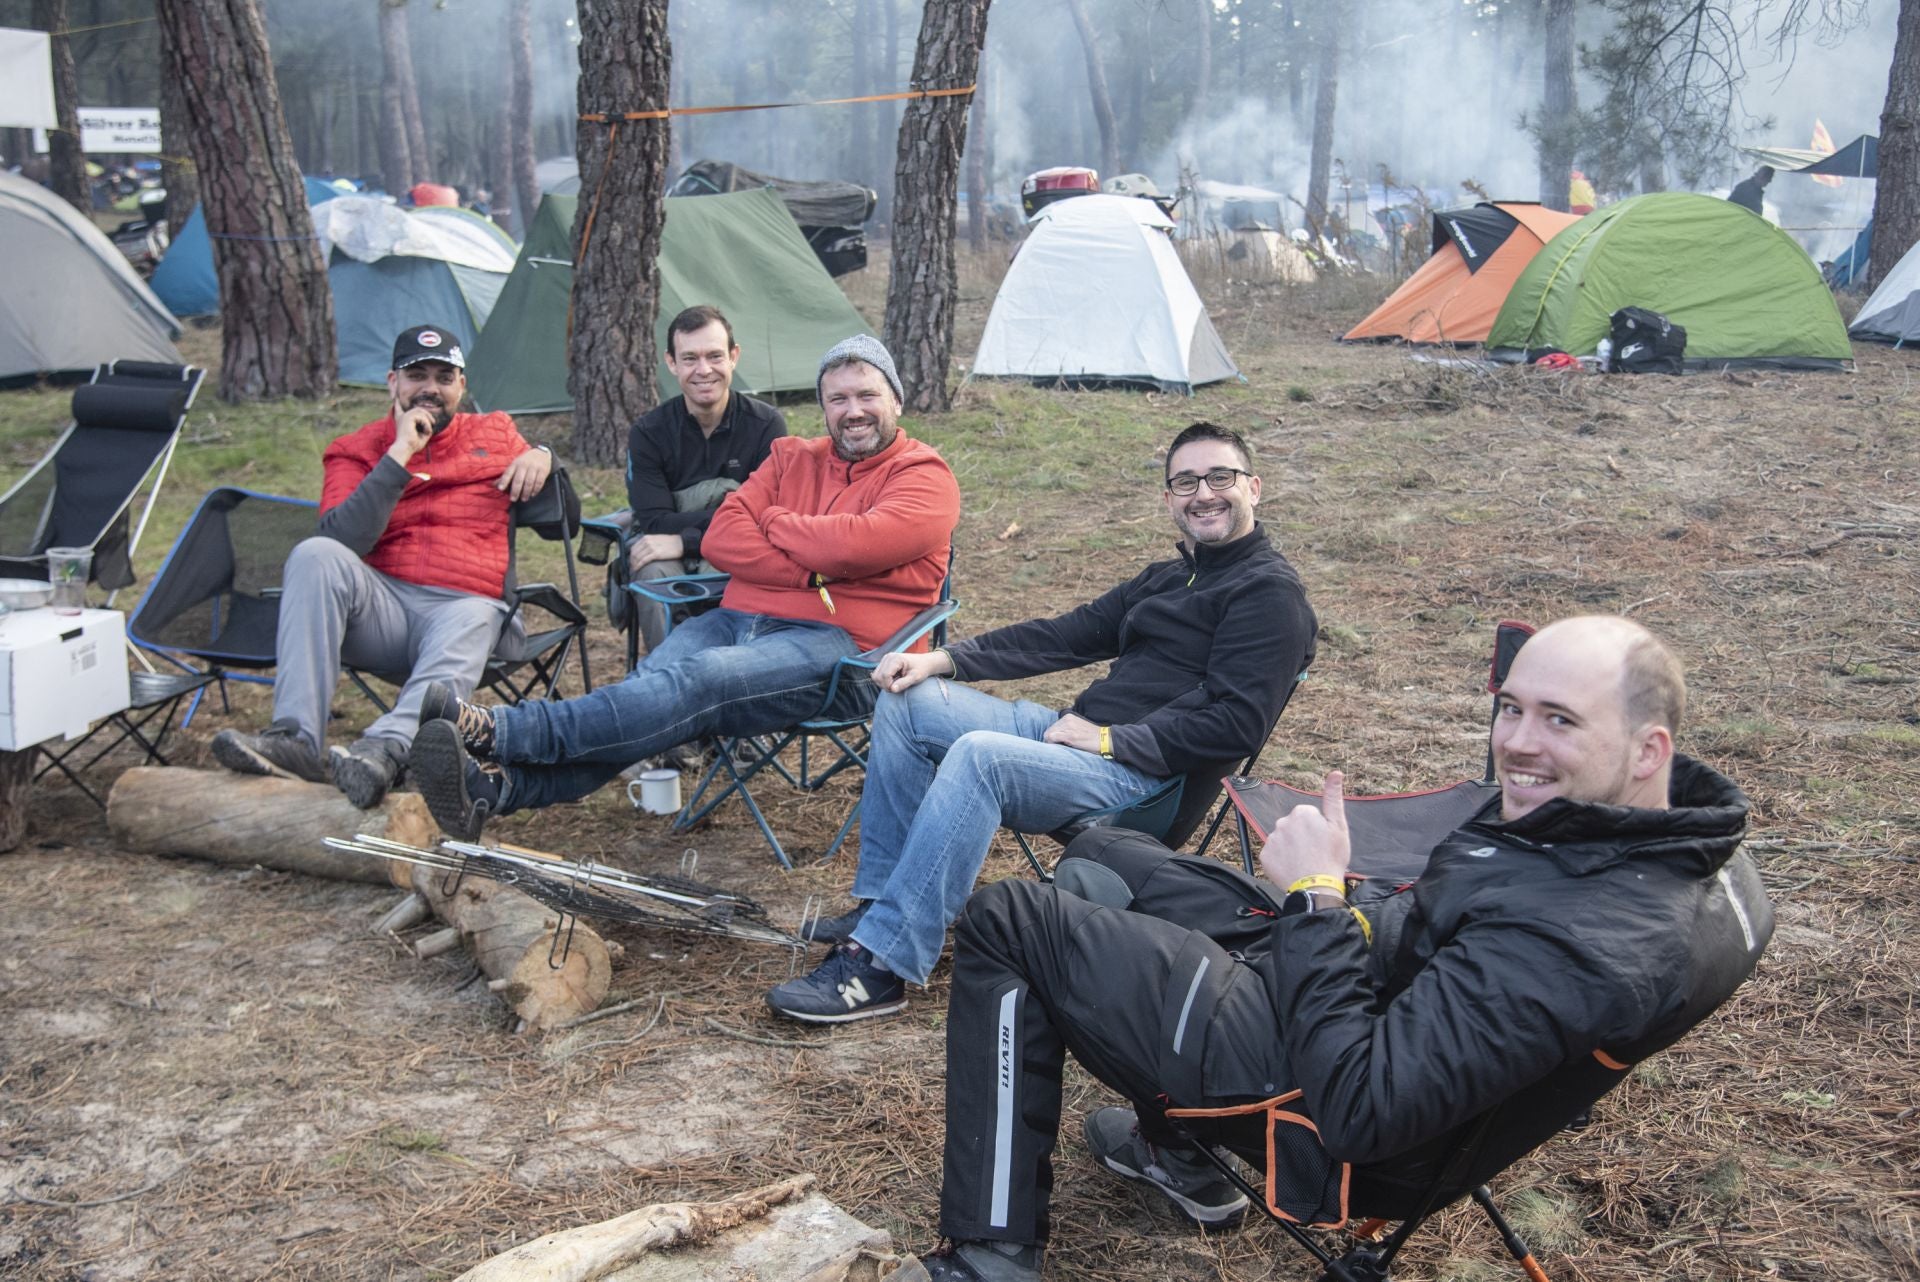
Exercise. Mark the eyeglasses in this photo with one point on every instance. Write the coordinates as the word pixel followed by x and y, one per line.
pixel 1220 478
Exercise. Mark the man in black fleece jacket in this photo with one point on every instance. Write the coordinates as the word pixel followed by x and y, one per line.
pixel 1585 920
pixel 1205 650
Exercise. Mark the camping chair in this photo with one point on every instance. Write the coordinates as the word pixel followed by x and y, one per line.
pixel 126 422
pixel 554 515
pixel 156 696
pixel 841 730
pixel 603 541
pixel 1391 837
pixel 1169 813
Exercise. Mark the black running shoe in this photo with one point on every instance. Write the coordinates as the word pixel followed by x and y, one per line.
pixel 1187 1180
pixel 835 930
pixel 848 985
pixel 474 721
pixel 366 770
pixel 459 792
pixel 983 1261
pixel 281 749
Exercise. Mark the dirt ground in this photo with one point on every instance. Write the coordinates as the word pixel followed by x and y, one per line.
pixel 218 1073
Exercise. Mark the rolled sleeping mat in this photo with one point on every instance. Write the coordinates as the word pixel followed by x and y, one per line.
pixel 140 409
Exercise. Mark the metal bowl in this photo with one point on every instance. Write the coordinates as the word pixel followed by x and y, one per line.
pixel 25 594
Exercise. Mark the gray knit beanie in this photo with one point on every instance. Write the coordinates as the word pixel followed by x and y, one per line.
pixel 862 347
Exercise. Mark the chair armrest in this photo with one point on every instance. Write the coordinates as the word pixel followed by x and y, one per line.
pixel 599 535
pixel 867 660
pixel 549 598
pixel 681 589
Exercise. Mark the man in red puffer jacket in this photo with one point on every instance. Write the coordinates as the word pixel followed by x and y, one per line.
pixel 406 572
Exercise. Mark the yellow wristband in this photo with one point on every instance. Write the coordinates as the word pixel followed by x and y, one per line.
pixel 1106 742
pixel 1366 927
pixel 1321 881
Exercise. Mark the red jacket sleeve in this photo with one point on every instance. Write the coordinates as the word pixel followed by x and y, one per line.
pixel 347 460
pixel 734 541
pixel 915 517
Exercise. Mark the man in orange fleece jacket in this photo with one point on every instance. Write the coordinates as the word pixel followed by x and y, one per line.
pixel 834 543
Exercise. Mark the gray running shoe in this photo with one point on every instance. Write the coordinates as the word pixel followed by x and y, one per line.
pixel 983 1261
pixel 1186 1179
pixel 280 750
pixel 364 771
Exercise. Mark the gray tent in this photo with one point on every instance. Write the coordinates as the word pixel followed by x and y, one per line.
pixel 68 299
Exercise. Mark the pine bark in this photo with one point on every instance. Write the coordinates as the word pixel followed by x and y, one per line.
pixel 409 75
pixel 1097 89
pixel 16 794
pixel 977 162
pixel 1557 105
pixel 923 288
pixel 1896 197
pixel 66 162
pixel 625 60
pixel 1203 66
pixel 276 309
pixel 397 161
pixel 525 192
pixel 1326 99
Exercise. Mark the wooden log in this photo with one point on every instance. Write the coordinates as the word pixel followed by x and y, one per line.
pixel 511 935
pixel 406 914
pixel 440 941
pixel 248 820
pixel 16 792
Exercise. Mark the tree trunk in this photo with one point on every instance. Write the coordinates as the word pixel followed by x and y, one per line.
pixel 1326 98
pixel 396 149
pixel 886 127
pixel 276 309
pixel 409 75
pixel 274 823
pixel 977 162
pixel 864 118
pixel 1097 89
pixel 177 173
pixel 1896 198
pixel 922 288
pixel 16 794
pixel 625 56
pixel 1296 46
pixel 1557 105
pixel 525 191
pixel 66 162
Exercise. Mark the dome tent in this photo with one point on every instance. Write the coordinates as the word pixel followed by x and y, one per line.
pixel 1478 253
pixel 1892 313
pixel 1097 295
pixel 1746 293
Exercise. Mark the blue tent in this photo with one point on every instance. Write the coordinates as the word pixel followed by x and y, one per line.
pixel 1852 265
pixel 185 280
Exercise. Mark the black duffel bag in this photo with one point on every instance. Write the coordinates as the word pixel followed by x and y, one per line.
pixel 1646 342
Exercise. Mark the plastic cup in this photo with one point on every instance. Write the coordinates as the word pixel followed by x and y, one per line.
pixel 67 570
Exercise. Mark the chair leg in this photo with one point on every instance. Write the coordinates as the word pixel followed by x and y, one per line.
pixel 1039 869
pixel 1219 817
pixel 1516 1247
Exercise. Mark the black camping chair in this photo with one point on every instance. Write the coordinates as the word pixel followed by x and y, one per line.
pixel 1391 837
pixel 841 730
pixel 126 422
pixel 1171 812
pixel 603 541
pixel 528 664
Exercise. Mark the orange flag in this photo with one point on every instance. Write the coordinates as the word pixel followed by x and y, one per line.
pixel 1823 143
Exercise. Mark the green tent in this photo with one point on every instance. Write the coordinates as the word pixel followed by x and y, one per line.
pixel 741 252
pixel 1744 291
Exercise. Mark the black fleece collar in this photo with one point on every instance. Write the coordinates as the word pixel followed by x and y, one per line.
pixel 1214 556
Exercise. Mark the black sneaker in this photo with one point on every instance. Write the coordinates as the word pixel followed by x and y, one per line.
pixel 365 771
pixel 459 792
pixel 835 930
pixel 472 720
pixel 281 749
pixel 1190 1182
pixel 848 985
pixel 983 1261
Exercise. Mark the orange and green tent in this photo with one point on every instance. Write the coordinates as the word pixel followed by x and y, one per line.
pixel 1477 255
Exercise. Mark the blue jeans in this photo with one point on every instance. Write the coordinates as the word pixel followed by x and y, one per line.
pixel 721 673
pixel 949 766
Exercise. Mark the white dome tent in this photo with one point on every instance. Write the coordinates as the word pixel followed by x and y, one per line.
pixel 1098 295
pixel 1892 314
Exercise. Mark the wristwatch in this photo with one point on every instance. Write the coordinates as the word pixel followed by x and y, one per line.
pixel 1308 901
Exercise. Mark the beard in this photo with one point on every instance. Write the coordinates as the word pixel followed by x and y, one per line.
pixel 442 414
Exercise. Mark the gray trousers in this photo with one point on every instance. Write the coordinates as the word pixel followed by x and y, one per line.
pixel 649 616
pixel 334 609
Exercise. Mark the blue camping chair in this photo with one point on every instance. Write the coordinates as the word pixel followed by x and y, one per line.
pixel 840 731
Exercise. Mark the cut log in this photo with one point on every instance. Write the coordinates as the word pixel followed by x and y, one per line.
pixel 248 820
pixel 405 915
pixel 16 791
pixel 512 938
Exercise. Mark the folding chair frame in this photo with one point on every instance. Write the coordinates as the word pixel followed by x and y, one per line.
pixel 131 724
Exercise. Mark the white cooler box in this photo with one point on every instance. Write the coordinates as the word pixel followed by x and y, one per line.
pixel 59 673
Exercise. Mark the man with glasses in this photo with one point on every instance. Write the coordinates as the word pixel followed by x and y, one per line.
pixel 1204 649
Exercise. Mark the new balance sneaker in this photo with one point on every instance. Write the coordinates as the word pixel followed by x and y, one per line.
pixel 848 985
pixel 459 791
pixel 1187 1180
pixel 835 930
pixel 474 721
pixel 366 770
pixel 983 1261
pixel 281 749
